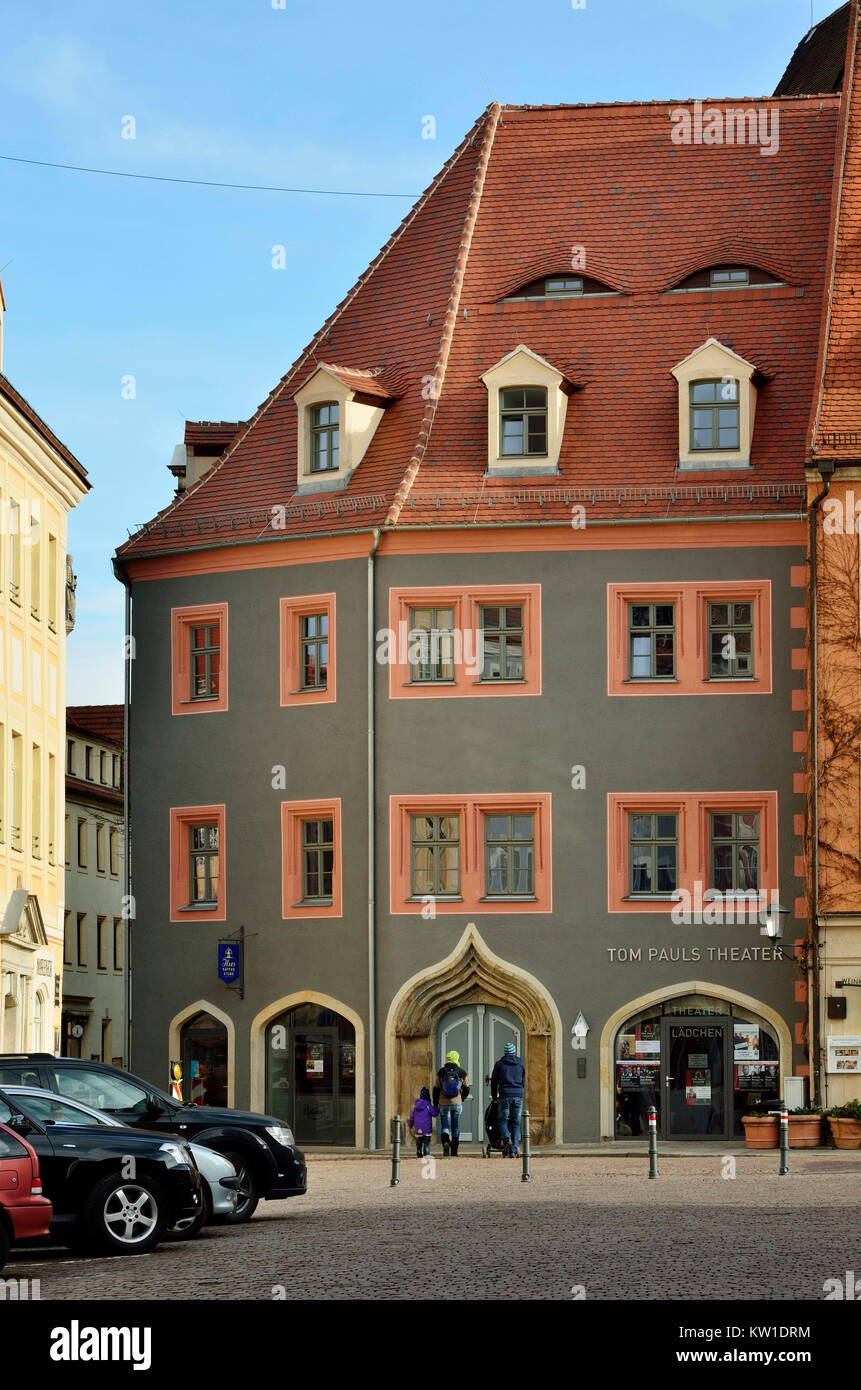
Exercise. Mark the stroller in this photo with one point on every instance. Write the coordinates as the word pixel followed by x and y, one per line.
pixel 494 1143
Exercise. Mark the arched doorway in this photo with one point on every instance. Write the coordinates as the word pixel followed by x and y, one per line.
pixel 472 976
pixel 700 1057
pixel 478 1032
pixel 203 1053
pixel 311 1074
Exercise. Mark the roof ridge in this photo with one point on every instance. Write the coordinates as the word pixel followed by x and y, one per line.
pixel 449 321
pixel 278 390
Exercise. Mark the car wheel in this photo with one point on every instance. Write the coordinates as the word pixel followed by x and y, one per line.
pixel 4 1246
pixel 125 1216
pixel 190 1226
pixel 248 1191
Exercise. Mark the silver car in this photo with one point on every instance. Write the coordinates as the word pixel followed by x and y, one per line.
pixel 219 1175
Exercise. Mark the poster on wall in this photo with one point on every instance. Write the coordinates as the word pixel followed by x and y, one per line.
pixel 844 1055
pixel 627 1045
pixel 313 1060
pixel 746 1037
pixel 756 1076
pixel 638 1076
pixel 698 1086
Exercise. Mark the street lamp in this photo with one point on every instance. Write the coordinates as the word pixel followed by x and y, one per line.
pixel 773 926
pixel 581 1027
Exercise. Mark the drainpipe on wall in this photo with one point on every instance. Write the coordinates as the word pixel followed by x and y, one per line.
pixel 826 472
pixel 372 853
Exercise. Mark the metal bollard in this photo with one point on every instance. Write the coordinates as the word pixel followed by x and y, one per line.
pixel 653 1142
pixel 526 1175
pixel 784 1142
pixel 396 1152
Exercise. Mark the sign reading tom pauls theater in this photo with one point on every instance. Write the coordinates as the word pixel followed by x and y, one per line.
pixel 443 884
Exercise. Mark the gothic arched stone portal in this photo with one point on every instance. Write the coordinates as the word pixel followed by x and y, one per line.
pixel 472 974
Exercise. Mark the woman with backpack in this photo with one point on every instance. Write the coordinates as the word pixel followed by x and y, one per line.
pixel 450 1091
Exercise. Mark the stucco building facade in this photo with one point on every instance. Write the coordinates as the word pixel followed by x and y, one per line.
pixel 477 664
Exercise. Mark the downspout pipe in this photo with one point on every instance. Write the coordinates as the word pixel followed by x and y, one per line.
pixel 826 472
pixel 372 849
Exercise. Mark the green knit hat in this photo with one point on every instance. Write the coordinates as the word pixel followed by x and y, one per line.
pixel 453 1057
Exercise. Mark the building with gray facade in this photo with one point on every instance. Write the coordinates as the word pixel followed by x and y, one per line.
pixel 468 695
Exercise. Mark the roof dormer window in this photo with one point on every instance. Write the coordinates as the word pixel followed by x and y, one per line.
pixel 523 421
pixel 559 286
pixel 338 411
pixel 714 414
pixel 717 392
pixel 726 277
pixel 527 400
pixel 563 286
pixel 324 437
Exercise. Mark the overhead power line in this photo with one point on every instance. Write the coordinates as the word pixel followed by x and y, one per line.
pixel 204 183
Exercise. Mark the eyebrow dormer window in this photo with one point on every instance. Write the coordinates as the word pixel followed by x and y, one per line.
pixel 729 277
pixel 324 437
pixel 714 415
pixel 523 421
pixel 563 287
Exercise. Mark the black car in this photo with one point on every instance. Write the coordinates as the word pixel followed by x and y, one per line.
pixel 261 1149
pixel 115 1191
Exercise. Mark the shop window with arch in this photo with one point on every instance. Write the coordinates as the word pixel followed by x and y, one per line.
pixel 199 659
pixel 702 1062
pixel 311 1074
pixel 203 1051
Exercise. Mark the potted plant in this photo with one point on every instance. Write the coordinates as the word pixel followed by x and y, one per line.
pixel 761 1131
pixel 845 1122
pixel 805 1127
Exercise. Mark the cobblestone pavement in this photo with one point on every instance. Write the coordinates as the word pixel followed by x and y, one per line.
pixel 472 1229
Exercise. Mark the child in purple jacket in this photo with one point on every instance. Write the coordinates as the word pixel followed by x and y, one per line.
pixel 421 1122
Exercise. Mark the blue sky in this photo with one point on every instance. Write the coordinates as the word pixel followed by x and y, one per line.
pixel 109 277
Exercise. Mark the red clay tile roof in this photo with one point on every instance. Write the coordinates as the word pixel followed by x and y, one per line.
pixel 817 63
pixel 835 426
pixel 367 383
pixel 527 188
pixel 15 397
pixel 101 721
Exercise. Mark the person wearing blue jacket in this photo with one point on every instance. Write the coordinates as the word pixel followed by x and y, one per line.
pixel 507 1084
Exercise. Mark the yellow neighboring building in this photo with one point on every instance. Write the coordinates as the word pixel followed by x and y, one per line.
pixel 40 482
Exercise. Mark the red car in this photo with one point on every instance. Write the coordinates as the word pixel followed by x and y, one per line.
pixel 24 1212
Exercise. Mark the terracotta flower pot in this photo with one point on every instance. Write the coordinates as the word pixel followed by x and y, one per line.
pixel 805 1131
pixel 845 1133
pixel 761 1131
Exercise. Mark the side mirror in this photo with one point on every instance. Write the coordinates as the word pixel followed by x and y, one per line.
pixel 21 1124
pixel 154 1106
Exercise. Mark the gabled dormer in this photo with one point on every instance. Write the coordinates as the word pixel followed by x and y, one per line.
pixel 717 404
pixel 339 409
pixel 527 400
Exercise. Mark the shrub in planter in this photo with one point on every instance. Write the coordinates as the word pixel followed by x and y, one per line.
pixel 805 1127
pixel 845 1123
pixel 761 1131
